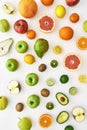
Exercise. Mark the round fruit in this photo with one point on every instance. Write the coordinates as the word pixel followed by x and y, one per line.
pixel 3 102
pixel 82 43
pixel 31 34
pixel 31 79
pixel 64 78
pixel 82 78
pixel 74 17
pixel 45 92
pixel 45 120
pixel 47 2
pixel 27 8
pixel 19 107
pixel 33 101
pixel 12 64
pixel 21 46
pixel 73 91
pixel 69 127
pixel 72 62
pixel 4 25
pixel 29 59
pixel 57 49
pixel 60 11
pixel 66 33
pixel 50 81
pixel 54 63
pixel 46 24
pixel 49 105
pixel 21 26
pixel 85 25
pixel 42 67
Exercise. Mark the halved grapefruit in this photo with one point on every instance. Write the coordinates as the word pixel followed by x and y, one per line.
pixel 72 62
pixel 46 23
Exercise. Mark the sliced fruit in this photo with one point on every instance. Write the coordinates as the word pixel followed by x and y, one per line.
pixel 14 87
pixel 41 46
pixel 50 81
pixel 8 8
pixel 72 62
pixel 82 43
pixel 62 117
pixel 73 91
pixel 46 23
pixel 54 63
pixel 82 78
pixel 62 98
pixel 45 120
pixel 49 105
pixel 5 46
pixel 78 114
pixel 57 49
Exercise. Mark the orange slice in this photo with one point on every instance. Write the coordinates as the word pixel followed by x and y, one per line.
pixel 45 120
pixel 82 43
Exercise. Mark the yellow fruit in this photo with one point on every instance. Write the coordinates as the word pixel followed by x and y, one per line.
pixel 60 11
pixel 29 59
pixel 82 78
pixel 27 8
pixel 57 49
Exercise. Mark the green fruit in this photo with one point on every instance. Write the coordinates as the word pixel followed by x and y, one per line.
pixel 73 91
pixel 85 26
pixel 69 127
pixel 24 123
pixel 49 105
pixel 31 79
pixel 4 25
pixel 12 64
pixel 3 102
pixel 54 63
pixel 41 46
pixel 21 46
pixel 33 101
pixel 50 81
pixel 64 79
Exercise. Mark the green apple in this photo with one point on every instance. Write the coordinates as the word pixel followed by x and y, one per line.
pixel 12 64
pixel 24 123
pixel 21 46
pixel 33 101
pixel 41 46
pixel 3 102
pixel 8 8
pixel 4 25
pixel 31 79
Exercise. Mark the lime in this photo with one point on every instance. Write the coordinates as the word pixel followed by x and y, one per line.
pixel 49 105
pixel 64 79
pixel 82 78
pixel 69 127
pixel 73 91
pixel 54 63
pixel 50 81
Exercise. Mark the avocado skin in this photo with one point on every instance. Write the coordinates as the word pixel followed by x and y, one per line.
pixel 41 46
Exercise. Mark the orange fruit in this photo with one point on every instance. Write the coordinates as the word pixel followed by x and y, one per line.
pixel 66 33
pixel 45 120
pixel 31 34
pixel 74 18
pixel 47 2
pixel 82 43
pixel 29 59
pixel 27 8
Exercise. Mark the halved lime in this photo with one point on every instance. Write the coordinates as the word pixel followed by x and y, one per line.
pixel 50 81
pixel 73 91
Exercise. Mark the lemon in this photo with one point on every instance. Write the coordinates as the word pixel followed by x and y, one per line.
pixel 82 78
pixel 60 11
pixel 57 49
pixel 29 59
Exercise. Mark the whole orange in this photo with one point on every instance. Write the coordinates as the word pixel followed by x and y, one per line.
pixel 31 34
pixel 47 2
pixel 66 33
pixel 27 8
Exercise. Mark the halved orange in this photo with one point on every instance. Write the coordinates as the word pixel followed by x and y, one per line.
pixel 45 120
pixel 82 43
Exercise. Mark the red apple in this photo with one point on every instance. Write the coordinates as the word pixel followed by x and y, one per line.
pixel 21 26
pixel 72 2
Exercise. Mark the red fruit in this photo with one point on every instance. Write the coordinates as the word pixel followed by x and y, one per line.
pixel 46 23
pixel 21 26
pixel 72 62
pixel 72 2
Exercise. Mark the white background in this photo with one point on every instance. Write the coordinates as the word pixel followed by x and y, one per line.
pixel 9 116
